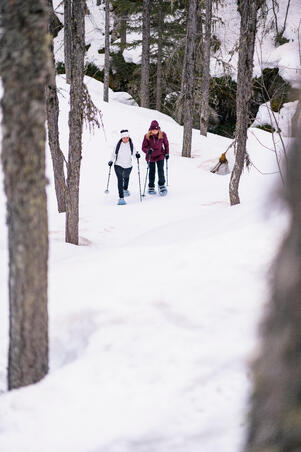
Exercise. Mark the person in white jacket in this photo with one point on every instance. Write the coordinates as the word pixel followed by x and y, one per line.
pixel 123 163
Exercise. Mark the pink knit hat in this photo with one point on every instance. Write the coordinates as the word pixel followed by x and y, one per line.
pixel 154 125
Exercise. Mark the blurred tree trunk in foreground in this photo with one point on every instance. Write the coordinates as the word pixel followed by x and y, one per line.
pixel 275 419
pixel 24 72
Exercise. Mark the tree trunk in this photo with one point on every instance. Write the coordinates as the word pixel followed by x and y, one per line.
pixel 159 56
pixel 52 104
pixel 75 121
pixel 248 12
pixel 24 72
pixel 296 119
pixel 206 71
pixel 107 53
pixel 122 30
pixel 274 421
pixel 180 99
pixel 188 73
pixel 67 38
pixel 159 60
pixel 145 61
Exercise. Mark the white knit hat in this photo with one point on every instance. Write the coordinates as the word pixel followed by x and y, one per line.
pixel 124 133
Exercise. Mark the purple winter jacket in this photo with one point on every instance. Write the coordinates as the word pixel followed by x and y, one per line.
pixel 159 145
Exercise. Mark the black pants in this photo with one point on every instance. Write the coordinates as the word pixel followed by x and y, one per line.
pixel 123 177
pixel 152 173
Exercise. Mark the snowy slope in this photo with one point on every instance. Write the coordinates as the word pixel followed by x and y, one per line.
pixel 153 319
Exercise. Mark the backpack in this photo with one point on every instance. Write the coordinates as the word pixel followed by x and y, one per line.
pixel 118 146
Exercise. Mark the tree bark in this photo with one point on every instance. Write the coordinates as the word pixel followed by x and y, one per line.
pixel 206 71
pixel 296 119
pixel 67 38
pixel 24 72
pixel 52 104
pixel 159 56
pixel 122 30
pixel 180 99
pixel 75 121
pixel 188 73
pixel 107 53
pixel 248 12
pixel 274 421
pixel 145 61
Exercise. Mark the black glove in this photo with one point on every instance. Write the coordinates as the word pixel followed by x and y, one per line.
pixel 167 156
pixel 150 151
pixel 110 163
pixel 137 155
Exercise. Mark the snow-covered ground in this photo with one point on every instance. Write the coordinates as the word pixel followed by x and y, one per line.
pixel 153 319
pixel 281 120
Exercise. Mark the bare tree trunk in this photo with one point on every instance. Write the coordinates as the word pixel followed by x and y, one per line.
pixel 180 99
pixel 122 30
pixel 107 53
pixel 296 119
pixel 75 121
pixel 67 38
pixel 145 62
pixel 206 71
pixel 52 104
pixel 189 78
pixel 159 56
pixel 24 72
pixel 275 422
pixel 248 12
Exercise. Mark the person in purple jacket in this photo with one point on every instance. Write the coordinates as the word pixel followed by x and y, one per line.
pixel 156 147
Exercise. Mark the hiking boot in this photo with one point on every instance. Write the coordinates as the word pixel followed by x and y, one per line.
pixel 121 202
pixel 162 190
pixel 126 193
pixel 151 191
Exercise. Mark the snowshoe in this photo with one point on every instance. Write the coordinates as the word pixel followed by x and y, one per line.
pixel 162 190
pixel 126 193
pixel 121 202
pixel 151 191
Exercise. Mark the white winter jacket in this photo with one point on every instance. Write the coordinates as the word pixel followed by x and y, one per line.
pixel 124 157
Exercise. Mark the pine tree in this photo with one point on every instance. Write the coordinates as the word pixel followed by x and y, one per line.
pixel 24 72
pixel 204 110
pixel 248 12
pixel 188 72
pixel 145 58
pixel 67 38
pixel 52 104
pixel 75 120
pixel 107 53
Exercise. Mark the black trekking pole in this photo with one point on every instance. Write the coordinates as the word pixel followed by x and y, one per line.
pixel 146 178
pixel 138 157
pixel 149 152
pixel 167 157
pixel 110 165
